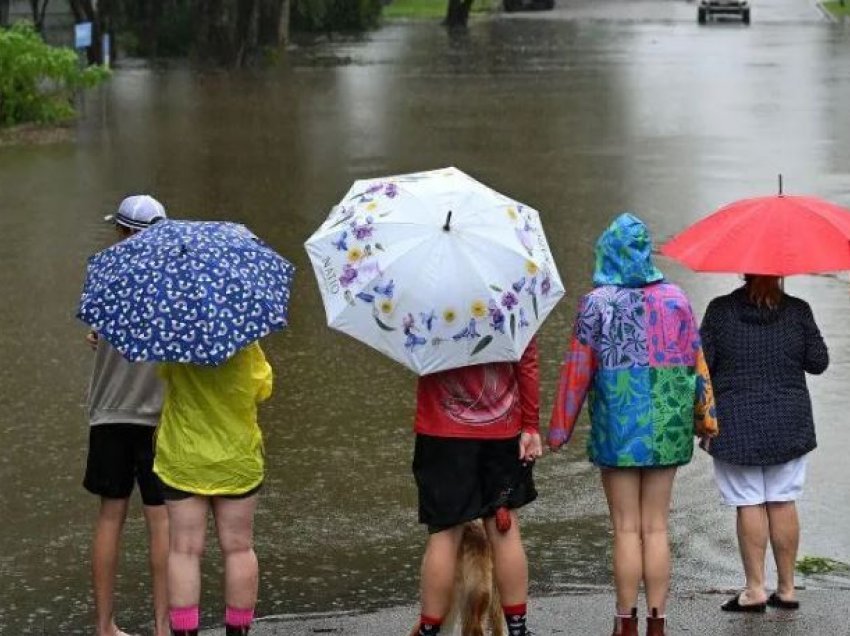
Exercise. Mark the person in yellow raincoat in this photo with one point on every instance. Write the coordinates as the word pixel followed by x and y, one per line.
pixel 209 454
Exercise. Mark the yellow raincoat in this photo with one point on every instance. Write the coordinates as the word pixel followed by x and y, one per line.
pixel 208 442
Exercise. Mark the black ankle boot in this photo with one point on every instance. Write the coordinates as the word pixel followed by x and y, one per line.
pixel 230 630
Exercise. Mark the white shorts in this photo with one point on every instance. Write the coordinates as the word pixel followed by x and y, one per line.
pixel 753 485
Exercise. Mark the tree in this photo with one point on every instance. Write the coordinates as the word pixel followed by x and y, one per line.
pixel 220 32
pixel 457 13
pixel 38 9
pixel 274 23
pixel 335 15
pixel 99 13
pixel 233 32
pixel 153 28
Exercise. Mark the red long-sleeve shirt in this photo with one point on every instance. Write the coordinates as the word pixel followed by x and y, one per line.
pixel 486 401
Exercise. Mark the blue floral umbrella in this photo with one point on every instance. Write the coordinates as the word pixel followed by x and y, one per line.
pixel 186 291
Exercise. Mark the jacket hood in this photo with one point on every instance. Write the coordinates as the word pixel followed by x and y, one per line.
pixel 624 254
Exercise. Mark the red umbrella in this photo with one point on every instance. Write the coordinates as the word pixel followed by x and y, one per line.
pixel 776 235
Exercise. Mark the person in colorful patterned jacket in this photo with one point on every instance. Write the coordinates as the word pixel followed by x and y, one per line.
pixel 477 436
pixel 636 351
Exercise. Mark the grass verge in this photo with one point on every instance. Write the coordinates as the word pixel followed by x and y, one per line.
pixel 428 9
pixel 835 8
pixel 809 565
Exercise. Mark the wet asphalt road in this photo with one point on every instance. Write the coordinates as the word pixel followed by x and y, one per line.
pixel 822 614
pixel 672 11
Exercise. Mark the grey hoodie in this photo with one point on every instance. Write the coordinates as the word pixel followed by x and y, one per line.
pixel 123 392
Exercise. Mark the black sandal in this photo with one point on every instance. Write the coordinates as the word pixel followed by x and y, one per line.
pixel 734 605
pixel 774 601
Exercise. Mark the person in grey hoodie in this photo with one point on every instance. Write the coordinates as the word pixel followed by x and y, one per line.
pixel 124 404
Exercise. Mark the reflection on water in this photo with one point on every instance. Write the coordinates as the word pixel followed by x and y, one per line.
pixel 580 121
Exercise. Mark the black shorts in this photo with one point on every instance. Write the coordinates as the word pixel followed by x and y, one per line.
pixel 119 456
pixel 464 479
pixel 175 494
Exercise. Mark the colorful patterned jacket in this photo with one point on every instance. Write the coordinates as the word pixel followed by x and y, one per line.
pixel 636 350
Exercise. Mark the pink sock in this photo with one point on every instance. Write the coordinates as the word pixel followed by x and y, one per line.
pixel 238 617
pixel 184 618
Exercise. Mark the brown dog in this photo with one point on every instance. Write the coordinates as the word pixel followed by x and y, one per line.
pixel 475 606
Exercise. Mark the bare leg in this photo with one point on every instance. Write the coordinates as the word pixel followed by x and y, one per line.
pixel 187 525
pixel 510 566
pixel 234 521
pixel 439 564
pixel 784 527
pixel 623 491
pixel 156 518
pixel 752 541
pixel 656 490
pixel 104 562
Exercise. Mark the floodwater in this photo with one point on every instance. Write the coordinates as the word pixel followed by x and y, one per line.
pixel 581 119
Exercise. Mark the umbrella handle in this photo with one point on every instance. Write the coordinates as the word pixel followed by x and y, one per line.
pixel 448 221
pixel 502 514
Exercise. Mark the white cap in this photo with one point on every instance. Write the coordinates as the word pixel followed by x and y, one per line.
pixel 138 212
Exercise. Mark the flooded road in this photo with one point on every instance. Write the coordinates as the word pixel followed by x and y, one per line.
pixel 580 119
pixel 664 11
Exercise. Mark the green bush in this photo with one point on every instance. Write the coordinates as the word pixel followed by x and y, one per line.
pixel 37 81
pixel 335 15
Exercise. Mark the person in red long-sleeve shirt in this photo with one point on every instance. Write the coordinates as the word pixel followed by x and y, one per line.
pixel 477 436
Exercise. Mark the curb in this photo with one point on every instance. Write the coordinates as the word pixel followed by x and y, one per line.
pixel 826 13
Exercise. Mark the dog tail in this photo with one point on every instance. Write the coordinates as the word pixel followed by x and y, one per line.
pixel 476 601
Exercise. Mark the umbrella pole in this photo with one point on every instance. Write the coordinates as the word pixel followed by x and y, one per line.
pixel 448 221
pixel 780 186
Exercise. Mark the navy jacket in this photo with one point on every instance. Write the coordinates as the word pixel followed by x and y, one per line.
pixel 758 359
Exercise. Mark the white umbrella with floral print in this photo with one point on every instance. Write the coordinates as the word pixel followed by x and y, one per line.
pixel 435 269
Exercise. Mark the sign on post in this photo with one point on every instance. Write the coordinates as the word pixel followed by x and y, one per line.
pixel 107 49
pixel 82 35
